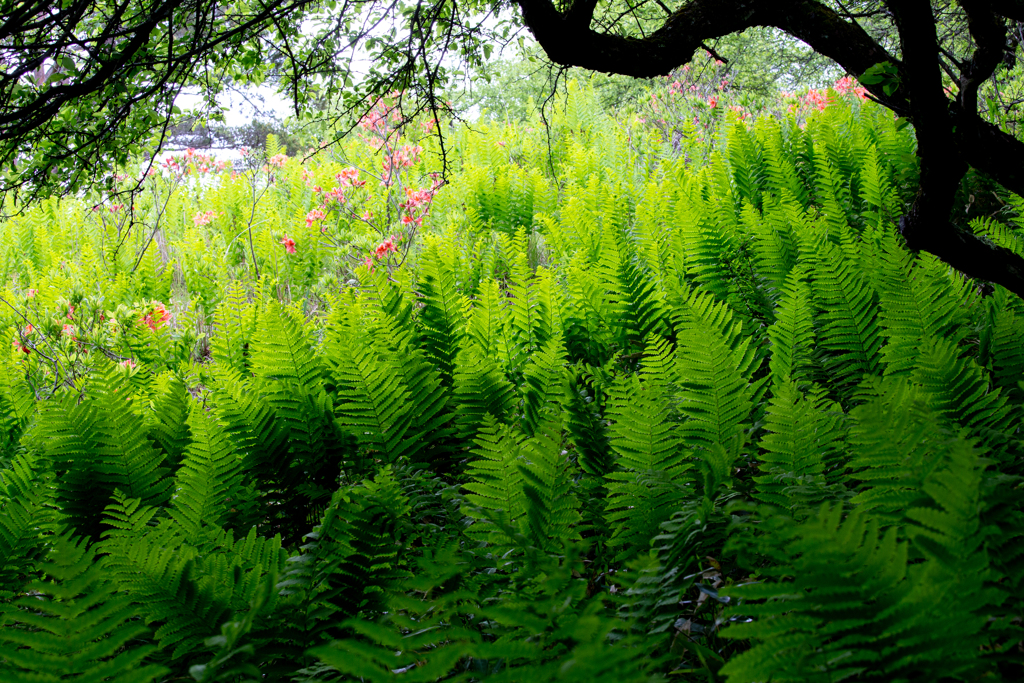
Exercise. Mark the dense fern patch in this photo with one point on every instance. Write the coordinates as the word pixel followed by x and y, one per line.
pixel 638 420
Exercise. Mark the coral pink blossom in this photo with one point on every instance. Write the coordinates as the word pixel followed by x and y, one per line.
pixel 31 294
pixel 128 364
pixel 311 217
pixel 289 244
pixel 68 330
pixel 157 317
pixel 386 247
pixel 349 177
pixel 204 218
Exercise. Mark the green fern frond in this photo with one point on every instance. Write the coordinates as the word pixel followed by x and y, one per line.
pixel 542 382
pixel 792 335
pixel 586 427
pixel 188 586
pixel 75 626
pixel 349 564
pixel 552 512
pixel 1002 350
pixel 281 352
pixel 803 438
pixel 957 389
pixel 210 478
pixel 917 304
pixel 481 390
pixel 169 420
pixel 375 403
pixel 235 322
pixel 716 394
pixel 494 497
pixel 820 618
pixel 652 479
pixel 849 335
pixel 26 517
pixel 441 314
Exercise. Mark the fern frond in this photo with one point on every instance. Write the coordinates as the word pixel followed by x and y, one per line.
pixel 77 625
pixel 494 495
pixel 652 479
pixel 210 478
pixel 850 335
pixel 441 315
pixel 542 381
pixel 26 517
pixel 803 437
pixel 792 335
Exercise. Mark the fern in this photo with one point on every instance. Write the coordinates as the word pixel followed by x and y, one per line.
pixel 792 335
pixel 346 568
pixel 188 587
pixel 236 323
pixel 803 438
pixel 210 481
pixel 440 316
pixel 494 492
pixel 850 334
pixel 551 511
pixel 652 479
pixel 76 625
pixel 542 380
pixel 917 304
pixel 26 517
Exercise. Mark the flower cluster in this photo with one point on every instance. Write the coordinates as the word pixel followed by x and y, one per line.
pixel 311 218
pixel 193 162
pixel 157 316
pixel 289 243
pixel 278 160
pixel 204 218
pixel 406 156
pixel 417 204
pixel 349 177
pixel 384 111
pixel 848 86
pixel 386 247
pixel 812 100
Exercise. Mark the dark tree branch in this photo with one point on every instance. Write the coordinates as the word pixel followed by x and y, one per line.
pixel 989 32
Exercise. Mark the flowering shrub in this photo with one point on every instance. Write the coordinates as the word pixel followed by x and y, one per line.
pixel 686 110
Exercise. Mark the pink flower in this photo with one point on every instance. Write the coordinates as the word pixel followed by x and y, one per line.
pixel 335 195
pixel 278 160
pixel 289 244
pixel 349 177
pixel 386 247
pixel 156 317
pixel 31 294
pixel 311 217
pixel 712 101
pixel 204 218
pixel 367 216
pixel 407 219
pixel 128 364
pixel 68 330
pixel 71 312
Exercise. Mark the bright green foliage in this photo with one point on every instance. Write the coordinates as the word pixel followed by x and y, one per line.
pixel 616 415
